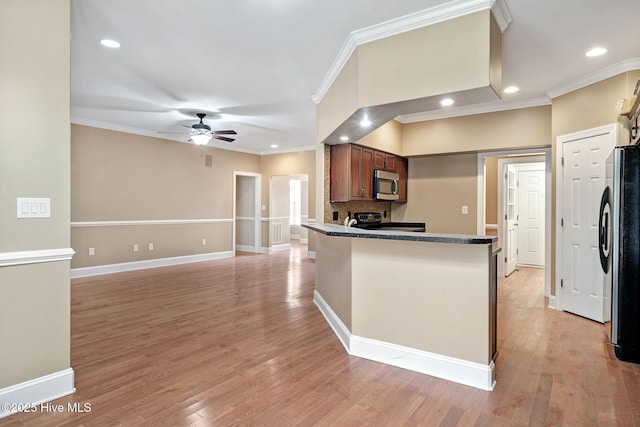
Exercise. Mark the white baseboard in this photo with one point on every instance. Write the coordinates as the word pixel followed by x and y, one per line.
pixel 311 254
pixel 445 367
pixel 150 263
pixel 436 365
pixel 333 320
pixel 304 240
pixel 553 302
pixel 246 248
pixel 36 391
pixel 276 248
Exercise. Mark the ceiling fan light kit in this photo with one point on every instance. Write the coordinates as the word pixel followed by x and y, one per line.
pixel 200 138
pixel 201 133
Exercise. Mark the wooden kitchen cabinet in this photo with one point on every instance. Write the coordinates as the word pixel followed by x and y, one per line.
pixel 384 161
pixel 402 169
pixel 351 173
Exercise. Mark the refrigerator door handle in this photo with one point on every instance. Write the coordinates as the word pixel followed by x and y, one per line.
pixel 603 231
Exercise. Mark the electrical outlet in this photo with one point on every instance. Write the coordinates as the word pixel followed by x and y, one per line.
pixel 465 210
pixel 135 247
pixel 92 251
pixel 150 246
pixel 335 216
pixel 204 242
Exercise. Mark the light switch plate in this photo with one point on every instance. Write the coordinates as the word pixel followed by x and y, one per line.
pixel 30 207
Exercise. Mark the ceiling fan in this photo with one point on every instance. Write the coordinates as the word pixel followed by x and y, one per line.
pixel 200 133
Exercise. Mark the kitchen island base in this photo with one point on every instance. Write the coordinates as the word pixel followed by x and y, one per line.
pixel 427 305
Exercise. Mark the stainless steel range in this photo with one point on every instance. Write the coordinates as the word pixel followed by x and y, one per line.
pixel 373 221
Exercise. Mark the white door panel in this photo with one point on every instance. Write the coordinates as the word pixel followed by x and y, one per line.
pixel 531 187
pixel 583 183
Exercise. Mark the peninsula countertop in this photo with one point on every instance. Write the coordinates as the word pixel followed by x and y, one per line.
pixel 344 231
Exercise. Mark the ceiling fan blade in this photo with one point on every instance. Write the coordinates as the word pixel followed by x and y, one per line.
pixel 186 126
pixel 224 132
pixel 223 138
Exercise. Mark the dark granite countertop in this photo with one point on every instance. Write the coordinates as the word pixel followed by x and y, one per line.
pixel 343 231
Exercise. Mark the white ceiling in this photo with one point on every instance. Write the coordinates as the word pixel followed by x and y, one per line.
pixel 254 65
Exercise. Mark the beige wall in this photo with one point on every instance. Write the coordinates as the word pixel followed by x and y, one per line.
pixel 438 187
pixel 333 283
pixel 457 55
pixel 387 137
pixel 34 162
pixel 491 190
pixel 522 128
pixel 296 163
pixel 586 108
pixel 592 106
pixel 439 301
pixel 123 177
pixel 446 57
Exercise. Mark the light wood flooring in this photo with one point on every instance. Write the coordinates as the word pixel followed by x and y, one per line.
pixel 240 342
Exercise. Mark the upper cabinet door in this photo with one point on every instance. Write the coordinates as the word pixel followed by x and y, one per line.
pixel 384 161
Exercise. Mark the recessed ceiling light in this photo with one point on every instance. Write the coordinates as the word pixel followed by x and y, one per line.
pixel 511 89
pixel 447 102
pixel 596 51
pixel 344 138
pixel 274 145
pixel 109 43
pixel 365 123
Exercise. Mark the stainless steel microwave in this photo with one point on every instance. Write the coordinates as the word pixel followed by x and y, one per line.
pixel 385 185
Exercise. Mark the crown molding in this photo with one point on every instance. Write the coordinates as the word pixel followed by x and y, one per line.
pixel 288 150
pixel 595 77
pixel 423 18
pixel 469 110
pixel 501 14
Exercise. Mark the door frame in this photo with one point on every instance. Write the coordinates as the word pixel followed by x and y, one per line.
pixel 257 220
pixel 481 201
pixel 502 163
pixel 610 129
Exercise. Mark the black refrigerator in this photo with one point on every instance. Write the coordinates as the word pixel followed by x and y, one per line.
pixel 619 247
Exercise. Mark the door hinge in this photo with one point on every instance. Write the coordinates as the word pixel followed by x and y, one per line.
pixel 505 259
pixel 505 216
pixel 517 251
pixel 561 283
pixel 562 161
pixel 561 222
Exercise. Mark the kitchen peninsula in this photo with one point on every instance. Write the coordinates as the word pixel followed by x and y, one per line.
pixel 420 301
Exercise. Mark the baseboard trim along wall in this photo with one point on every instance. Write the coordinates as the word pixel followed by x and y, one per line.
pixel 17 398
pixel 341 331
pixel 35 257
pixel 150 263
pixel 276 248
pixel 311 254
pixel 436 365
pixel 246 248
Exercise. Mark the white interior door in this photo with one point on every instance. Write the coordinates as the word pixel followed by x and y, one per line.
pixel 511 223
pixel 531 187
pixel 583 182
